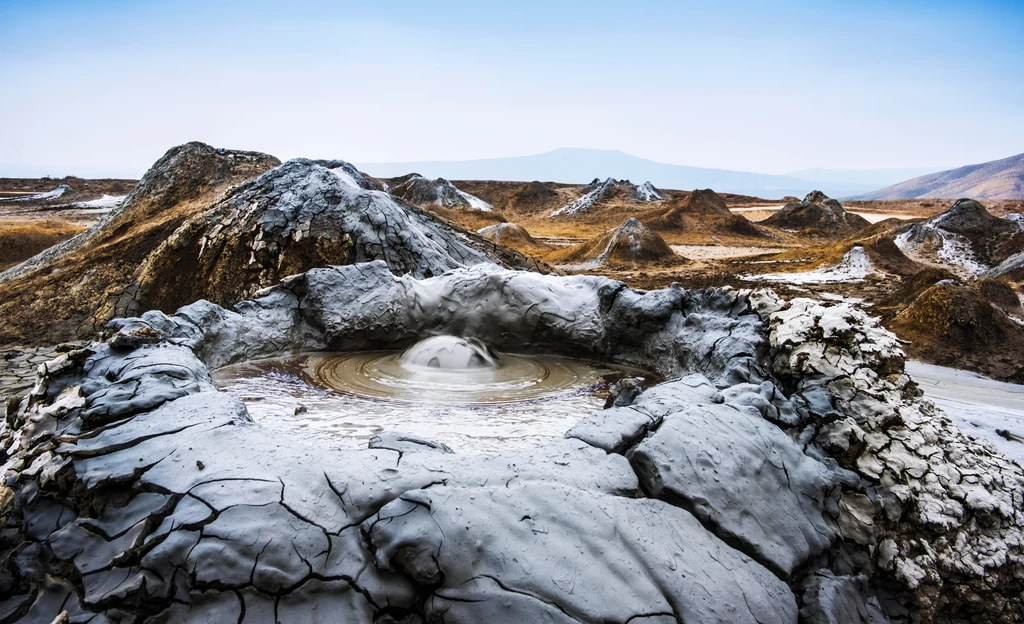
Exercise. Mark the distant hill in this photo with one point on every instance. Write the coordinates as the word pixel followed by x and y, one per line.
pixel 870 177
pixel 999 179
pixel 579 166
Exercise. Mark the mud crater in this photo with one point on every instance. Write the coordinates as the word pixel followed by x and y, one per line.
pixel 457 391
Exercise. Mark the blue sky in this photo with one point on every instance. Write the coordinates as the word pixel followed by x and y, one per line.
pixel 104 88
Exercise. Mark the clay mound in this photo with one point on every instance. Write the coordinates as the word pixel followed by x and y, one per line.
pixel 521 199
pixel 967 238
pixel 992 240
pixel 647 192
pixel 534 193
pixel 969 217
pixel 817 214
pixel 258 235
pixel 956 325
pixel 629 244
pixel 201 224
pixel 512 235
pixel 174 187
pixel 885 255
pixel 701 210
pixel 54 296
pixel 592 194
pixel 910 289
pixel 699 203
pixel 999 294
pixel 609 190
pixel 420 191
pixel 1011 268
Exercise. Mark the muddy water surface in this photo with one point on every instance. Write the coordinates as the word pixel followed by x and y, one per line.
pixel 341 400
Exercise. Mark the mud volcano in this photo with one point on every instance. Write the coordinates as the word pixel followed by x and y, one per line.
pixel 454 390
pixel 786 470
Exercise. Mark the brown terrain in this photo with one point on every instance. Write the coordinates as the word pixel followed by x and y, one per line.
pixel 73 289
pixel 28 224
pixel 22 239
pixel 946 311
pixel 629 245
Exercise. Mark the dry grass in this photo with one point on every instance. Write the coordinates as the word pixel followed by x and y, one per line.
pixel 469 219
pixel 20 240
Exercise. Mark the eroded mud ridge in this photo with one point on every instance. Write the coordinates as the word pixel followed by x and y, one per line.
pixel 468 398
pixel 787 470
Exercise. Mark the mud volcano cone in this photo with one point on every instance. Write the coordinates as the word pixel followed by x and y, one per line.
pixel 631 243
pixel 968 217
pixel 817 213
pixel 512 235
pixel 954 324
pixel 421 191
pixel 702 210
pixel 699 202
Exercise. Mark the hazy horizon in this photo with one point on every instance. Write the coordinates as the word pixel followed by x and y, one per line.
pixel 105 88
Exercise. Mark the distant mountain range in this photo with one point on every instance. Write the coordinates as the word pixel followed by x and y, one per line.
pixel 998 179
pixel 872 177
pixel 576 165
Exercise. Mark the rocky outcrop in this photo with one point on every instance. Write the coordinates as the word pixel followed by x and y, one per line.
pixel 817 214
pixel 420 191
pixel 769 475
pixel 787 465
pixel 54 296
pixel 610 188
pixel 940 512
pixel 965 239
pixel 217 224
pixel 301 215
pixel 629 244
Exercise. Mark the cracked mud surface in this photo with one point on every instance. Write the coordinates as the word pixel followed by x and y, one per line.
pixel 787 470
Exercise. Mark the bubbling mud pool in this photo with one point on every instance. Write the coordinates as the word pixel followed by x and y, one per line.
pixel 445 389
